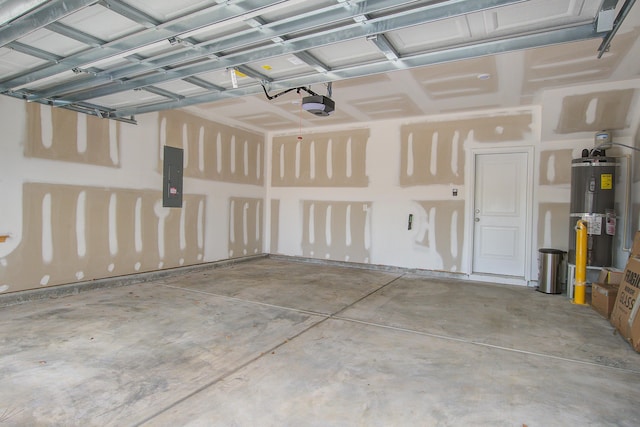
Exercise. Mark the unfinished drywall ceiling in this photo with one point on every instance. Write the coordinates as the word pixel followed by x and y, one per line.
pixel 569 65
pixel 389 59
pixel 450 80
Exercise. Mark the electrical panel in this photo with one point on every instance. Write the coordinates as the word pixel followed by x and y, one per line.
pixel 172 177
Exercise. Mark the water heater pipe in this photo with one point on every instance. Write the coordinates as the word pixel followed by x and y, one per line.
pixel 581 262
pixel 627 203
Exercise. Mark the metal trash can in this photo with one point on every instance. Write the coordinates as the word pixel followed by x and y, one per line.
pixel 549 261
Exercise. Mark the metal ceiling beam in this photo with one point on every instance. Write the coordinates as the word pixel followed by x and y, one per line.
pixel 197 81
pixel 74 34
pixel 41 17
pixel 193 21
pixel 260 32
pixel 404 19
pixel 455 53
pixel 98 113
pixel 313 62
pixel 33 51
pixel 12 9
pixel 130 13
pixel 83 107
pixel 162 92
pixel 253 74
pixel 384 45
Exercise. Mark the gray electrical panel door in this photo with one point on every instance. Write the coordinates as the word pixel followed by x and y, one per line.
pixel 172 177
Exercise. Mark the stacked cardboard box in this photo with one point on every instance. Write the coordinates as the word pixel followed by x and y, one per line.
pixel 625 315
pixel 605 291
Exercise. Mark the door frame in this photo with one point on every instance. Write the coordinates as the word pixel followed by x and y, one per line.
pixel 469 215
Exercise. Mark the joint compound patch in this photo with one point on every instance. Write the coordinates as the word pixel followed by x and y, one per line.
pixel 63 227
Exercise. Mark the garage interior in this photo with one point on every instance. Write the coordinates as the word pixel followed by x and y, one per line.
pixel 319 267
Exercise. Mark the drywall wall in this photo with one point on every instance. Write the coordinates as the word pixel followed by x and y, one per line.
pixel 82 196
pixel 81 232
pixel 554 194
pixel 570 118
pixel 335 159
pixel 336 230
pixel 213 151
pixel 595 111
pixel 57 134
pixel 636 157
pixel 634 207
pixel 433 152
pixel 441 230
pixel 245 226
pixel 412 172
pixel 413 168
pixel 577 112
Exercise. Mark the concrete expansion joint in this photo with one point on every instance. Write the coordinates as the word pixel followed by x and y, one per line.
pixel 227 374
pixel 263 304
pixel 337 313
pixel 272 350
pixel 481 344
pixel 274 341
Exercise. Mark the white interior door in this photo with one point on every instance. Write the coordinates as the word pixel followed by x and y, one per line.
pixel 500 214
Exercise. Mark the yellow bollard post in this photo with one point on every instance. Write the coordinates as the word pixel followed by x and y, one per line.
pixel 581 262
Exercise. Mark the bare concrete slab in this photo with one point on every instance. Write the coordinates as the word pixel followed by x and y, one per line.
pixel 313 287
pixel 341 373
pixel 117 356
pixel 506 316
pixel 279 343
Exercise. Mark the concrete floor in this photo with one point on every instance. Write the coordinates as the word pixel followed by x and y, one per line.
pixel 274 342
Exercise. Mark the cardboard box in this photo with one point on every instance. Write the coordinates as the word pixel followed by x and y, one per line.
pixel 609 276
pixel 635 249
pixel 605 290
pixel 603 298
pixel 625 316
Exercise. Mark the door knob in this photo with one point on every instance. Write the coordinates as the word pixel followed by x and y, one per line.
pixel 477 210
pixel 477 219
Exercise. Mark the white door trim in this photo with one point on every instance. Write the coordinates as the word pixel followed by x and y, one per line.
pixel 469 216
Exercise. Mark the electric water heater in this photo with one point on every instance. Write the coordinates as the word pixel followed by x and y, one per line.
pixel 592 200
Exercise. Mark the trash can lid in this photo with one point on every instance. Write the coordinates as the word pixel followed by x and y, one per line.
pixel 551 251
